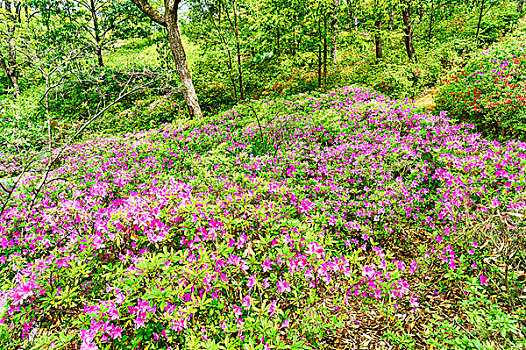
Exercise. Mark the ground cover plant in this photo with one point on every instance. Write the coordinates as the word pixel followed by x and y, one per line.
pixel 337 220
pixel 490 90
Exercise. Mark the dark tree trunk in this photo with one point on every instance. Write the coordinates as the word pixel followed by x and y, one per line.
pixel 278 41
pixel 98 41
pixel 230 62
pixel 169 20
pixel 325 53
pixel 296 41
pixel 408 30
pixel 319 55
pixel 481 13
pixel 431 21
pixel 391 19
pixel 239 68
pixel 519 6
pixel 378 38
pixel 9 65
pixel 334 23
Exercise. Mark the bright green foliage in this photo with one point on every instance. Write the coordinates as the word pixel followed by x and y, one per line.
pixel 491 90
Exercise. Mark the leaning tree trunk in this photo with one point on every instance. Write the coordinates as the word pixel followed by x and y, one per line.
pixel 169 21
pixel 408 30
pixel 181 66
pixel 481 13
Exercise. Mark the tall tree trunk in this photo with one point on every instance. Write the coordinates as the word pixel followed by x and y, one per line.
pixel 181 64
pixel 391 19
pixel 239 68
pixel 480 20
pixel 378 38
pixel 98 43
pixel 296 41
pixel 9 65
pixel 169 20
pixel 320 62
pixel 519 6
pixel 325 53
pixel 230 62
pixel 278 37
pixel 408 30
pixel 334 23
pixel 431 21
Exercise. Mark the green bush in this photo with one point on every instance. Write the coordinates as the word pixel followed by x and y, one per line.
pixel 491 91
pixel 143 115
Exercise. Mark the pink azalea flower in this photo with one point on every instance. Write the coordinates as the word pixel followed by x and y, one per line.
pixel 306 206
pixel 246 302
pixel 272 307
pixel 283 286
pixel 251 281
pixel 413 300
pixel 483 280
pixel 267 265
pixel 285 323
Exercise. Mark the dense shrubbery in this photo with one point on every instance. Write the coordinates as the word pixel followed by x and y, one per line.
pixel 274 226
pixel 25 124
pixel 491 90
pixel 143 115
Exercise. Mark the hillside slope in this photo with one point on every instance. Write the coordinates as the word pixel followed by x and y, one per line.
pixel 317 222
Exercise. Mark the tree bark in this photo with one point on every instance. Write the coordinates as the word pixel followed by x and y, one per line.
pixel 408 30
pixel 239 68
pixel 378 38
pixel 230 63
pixel 334 23
pixel 319 55
pixel 181 66
pixel 431 21
pixel 296 41
pixel 98 43
pixel 519 6
pixel 325 53
pixel 9 65
pixel 481 13
pixel 169 20
pixel 391 19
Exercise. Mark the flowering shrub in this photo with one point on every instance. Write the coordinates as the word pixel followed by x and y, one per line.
pixel 491 91
pixel 268 230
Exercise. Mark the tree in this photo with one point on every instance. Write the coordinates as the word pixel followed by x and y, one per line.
pixel 107 18
pixel 168 19
pixel 10 20
pixel 408 30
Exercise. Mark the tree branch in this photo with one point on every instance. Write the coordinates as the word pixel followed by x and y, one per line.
pixel 154 15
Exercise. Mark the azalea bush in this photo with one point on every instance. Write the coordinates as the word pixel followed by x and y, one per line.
pixel 277 225
pixel 491 91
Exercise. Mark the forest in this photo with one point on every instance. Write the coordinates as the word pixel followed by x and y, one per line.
pixel 262 174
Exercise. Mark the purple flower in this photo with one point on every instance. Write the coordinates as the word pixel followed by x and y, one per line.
pixel 483 280
pixel 306 206
pixel 283 286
